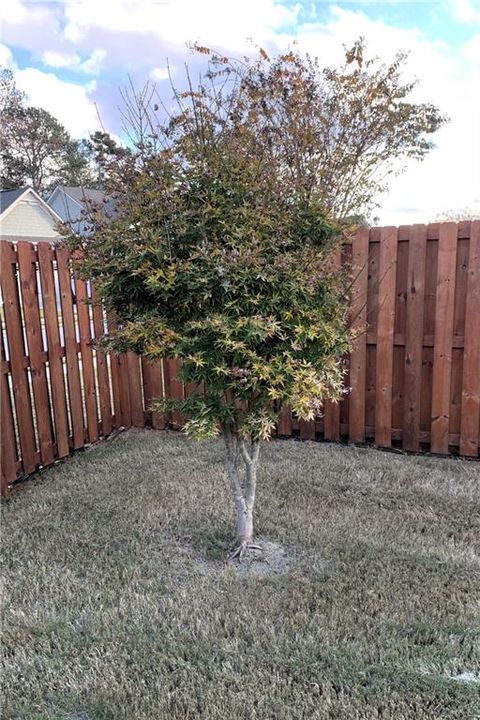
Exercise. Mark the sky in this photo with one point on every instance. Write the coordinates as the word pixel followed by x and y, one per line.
pixel 73 56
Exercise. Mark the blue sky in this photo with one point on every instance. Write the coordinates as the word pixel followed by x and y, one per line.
pixel 71 57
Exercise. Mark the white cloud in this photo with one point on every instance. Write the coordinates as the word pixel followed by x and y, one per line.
pixel 160 73
pixel 55 59
pixel 13 11
pixel 471 50
pixel 29 24
pixel 91 66
pixel 6 57
pixel 68 102
pixel 465 11
pixel 427 59
pixel 220 23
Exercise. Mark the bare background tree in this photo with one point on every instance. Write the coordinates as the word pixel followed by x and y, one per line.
pixel 36 150
pixel 453 215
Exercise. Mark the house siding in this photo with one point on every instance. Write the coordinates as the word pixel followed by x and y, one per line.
pixel 28 220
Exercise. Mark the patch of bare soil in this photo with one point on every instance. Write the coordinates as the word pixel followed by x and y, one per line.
pixel 272 559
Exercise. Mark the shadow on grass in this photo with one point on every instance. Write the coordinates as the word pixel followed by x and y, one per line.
pixel 212 543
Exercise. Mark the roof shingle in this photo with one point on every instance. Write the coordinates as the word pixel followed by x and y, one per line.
pixel 7 197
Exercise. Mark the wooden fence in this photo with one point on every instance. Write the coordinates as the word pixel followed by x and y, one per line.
pixel 413 376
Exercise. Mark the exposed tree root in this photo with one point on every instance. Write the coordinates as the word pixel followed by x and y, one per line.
pixel 241 549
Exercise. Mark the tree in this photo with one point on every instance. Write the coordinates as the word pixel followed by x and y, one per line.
pixel 78 167
pixel 10 95
pixel 35 149
pixel 452 215
pixel 106 156
pixel 221 255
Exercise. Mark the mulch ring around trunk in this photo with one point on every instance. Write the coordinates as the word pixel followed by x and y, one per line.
pixel 273 559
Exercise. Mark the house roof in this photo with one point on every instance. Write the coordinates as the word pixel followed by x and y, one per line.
pixel 10 198
pixel 80 194
pixel 7 197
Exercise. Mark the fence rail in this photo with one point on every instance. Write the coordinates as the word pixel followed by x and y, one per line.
pixel 413 376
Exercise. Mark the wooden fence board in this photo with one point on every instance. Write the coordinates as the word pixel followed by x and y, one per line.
pixel 102 369
pixel 16 351
pixel 115 370
pixel 431 266
pixel 33 332
pixel 399 329
pixel 136 393
pixel 331 421
pixel 71 351
pixel 55 364
pixel 414 336
pixel 153 390
pixel 459 308
pixel 307 429
pixel 344 404
pixel 147 371
pixel 442 353
pixel 117 386
pixel 358 355
pixel 88 371
pixel 124 390
pixel 158 390
pixel 8 444
pixel 385 331
pixel 372 316
pixel 175 389
pixel 470 417
pixel 285 422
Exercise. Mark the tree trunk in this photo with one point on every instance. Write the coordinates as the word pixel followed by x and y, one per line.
pixel 244 526
pixel 243 498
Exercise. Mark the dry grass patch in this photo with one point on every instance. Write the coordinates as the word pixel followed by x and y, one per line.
pixel 110 614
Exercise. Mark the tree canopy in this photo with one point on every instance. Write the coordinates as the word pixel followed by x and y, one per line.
pixel 350 128
pixel 221 255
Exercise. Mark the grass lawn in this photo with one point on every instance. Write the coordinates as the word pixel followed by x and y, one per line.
pixel 118 604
